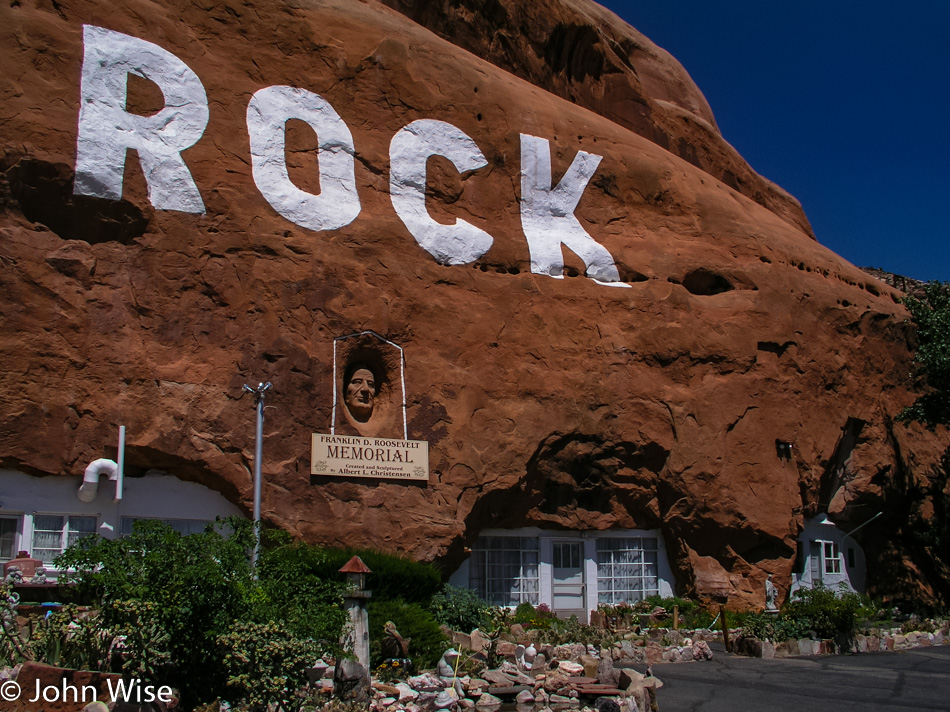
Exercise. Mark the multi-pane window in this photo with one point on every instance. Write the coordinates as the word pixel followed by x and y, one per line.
pixel 832 558
pixel 8 529
pixel 182 526
pixel 566 555
pixel 627 569
pixel 53 533
pixel 504 569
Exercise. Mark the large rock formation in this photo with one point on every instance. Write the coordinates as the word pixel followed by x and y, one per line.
pixel 553 402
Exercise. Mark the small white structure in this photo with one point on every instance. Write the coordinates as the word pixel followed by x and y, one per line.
pixel 569 571
pixel 44 515
pixel 828 556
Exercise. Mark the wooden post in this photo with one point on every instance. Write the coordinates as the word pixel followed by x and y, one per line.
pixel 676 617
pixel 725 629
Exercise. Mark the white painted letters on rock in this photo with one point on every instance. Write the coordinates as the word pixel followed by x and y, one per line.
pixel 409 153
pixel 107 130
pixel 547 213
pixel 338 203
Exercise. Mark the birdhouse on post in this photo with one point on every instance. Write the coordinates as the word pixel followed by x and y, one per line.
pixel 354 601
pixel 356 571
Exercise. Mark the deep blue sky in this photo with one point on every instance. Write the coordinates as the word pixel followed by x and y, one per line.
pixel 844 104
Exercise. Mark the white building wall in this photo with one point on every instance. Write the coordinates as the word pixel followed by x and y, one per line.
pixel 666 582
pixel 820 530
pixel 156 495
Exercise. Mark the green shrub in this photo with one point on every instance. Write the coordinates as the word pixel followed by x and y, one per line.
pixel 199 584
pixel 524 613
pixel 776 628
pixel 266 665
pixel 174 596
pixel 392 578
pixel 412 621
pixel 293 592
pixel 828 614
pixel 460 609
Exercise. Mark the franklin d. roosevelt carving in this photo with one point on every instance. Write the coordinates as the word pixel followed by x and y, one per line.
pixel 360 390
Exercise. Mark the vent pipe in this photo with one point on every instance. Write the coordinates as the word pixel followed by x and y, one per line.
pixel 90 479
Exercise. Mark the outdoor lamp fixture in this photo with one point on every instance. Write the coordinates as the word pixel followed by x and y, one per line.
pixel 258 457
pixel 783 448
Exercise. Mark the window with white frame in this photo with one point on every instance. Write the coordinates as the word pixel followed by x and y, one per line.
pixel 832 558
pixel 627 569
pixel 182 526
pixel 53 533
pixel 504 569
pixel 8 537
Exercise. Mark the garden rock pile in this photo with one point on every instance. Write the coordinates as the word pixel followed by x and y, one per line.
pixel 527 673
pixel 872 641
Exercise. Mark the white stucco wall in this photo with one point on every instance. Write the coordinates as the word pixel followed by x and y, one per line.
pixel 820 530
pixel 666 583
pixel 156 495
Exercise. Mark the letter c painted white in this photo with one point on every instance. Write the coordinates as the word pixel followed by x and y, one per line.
pixel 107 130
pixel 409 152
pixel 338 203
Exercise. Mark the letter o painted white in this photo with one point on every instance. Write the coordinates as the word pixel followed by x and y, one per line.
pixel 409 152
pixel 338 203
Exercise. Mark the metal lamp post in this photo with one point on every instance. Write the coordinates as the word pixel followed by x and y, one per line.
pixel 258 457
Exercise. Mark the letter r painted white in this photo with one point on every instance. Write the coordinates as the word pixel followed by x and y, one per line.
pixel 107 130
pixel 409 152
pixel 547 214
pixel 338 203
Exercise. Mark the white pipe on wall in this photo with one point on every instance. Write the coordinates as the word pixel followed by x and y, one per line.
pixel 120 469
pixel 90 479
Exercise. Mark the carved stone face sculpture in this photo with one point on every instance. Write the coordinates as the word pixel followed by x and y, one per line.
pixel 360 394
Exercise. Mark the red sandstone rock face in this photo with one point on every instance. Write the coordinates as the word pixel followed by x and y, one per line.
pixel 584 53
pixel 549 402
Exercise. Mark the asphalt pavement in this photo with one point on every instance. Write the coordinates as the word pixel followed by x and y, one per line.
pixel 917 679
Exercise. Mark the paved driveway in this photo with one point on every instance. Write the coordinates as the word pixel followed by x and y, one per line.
pixel 916 679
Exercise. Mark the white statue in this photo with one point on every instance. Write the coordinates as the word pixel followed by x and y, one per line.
pixel 771 596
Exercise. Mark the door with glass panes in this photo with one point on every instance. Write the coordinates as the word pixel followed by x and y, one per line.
pixel 567 579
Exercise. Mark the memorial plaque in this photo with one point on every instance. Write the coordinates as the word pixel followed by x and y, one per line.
pixel 382 458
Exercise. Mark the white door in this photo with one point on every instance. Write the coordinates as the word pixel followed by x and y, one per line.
pixel 567 579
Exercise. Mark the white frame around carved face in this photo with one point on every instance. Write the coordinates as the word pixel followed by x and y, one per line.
pixel 339 365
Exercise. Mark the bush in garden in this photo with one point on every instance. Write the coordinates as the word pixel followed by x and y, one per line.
pixel 460 609
pixel 293 591
pixel 776 627
pixel 70 637
pixel 198 585
pixel 812 612
pixel 173 596
pixel 829 614
pixel 524 613
pixel 266 666
pixel 392 578
pixel 412 621
pixel 529 616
